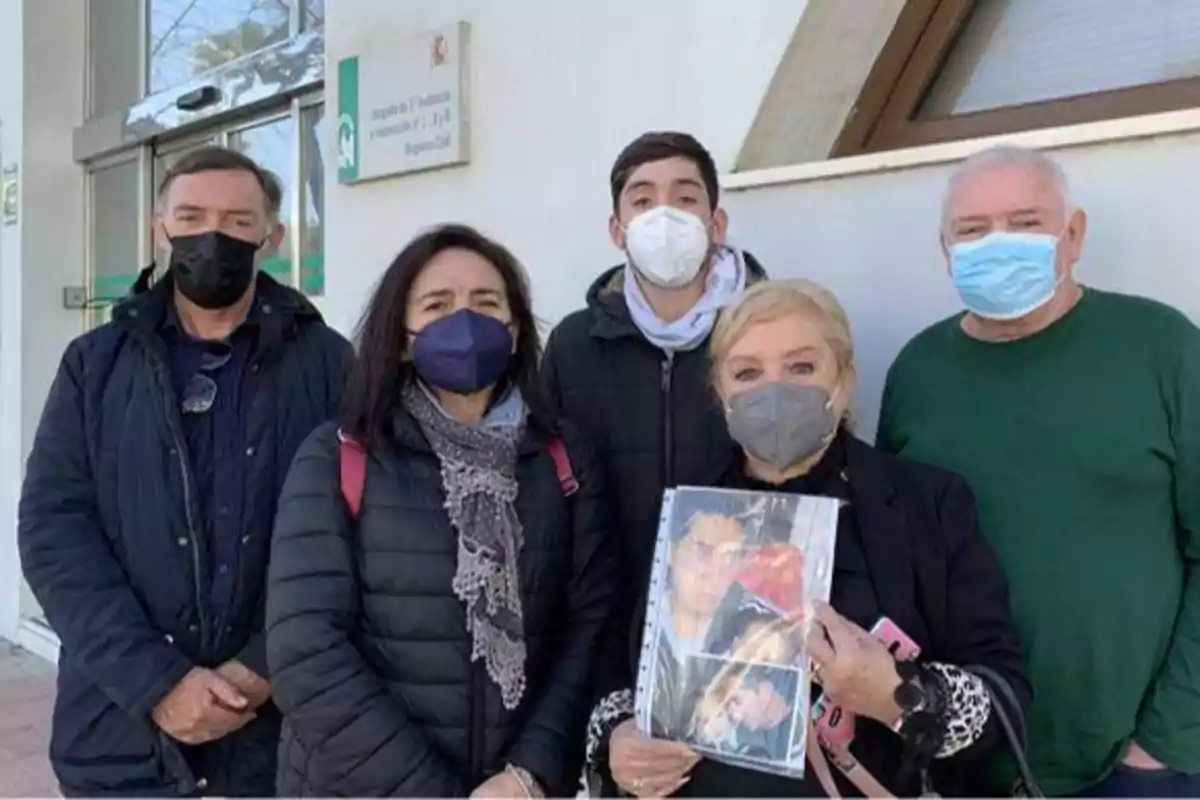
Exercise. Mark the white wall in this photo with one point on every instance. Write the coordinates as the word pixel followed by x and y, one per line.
pixel 11 92
pixel 41 101
pixel 558 88
pixel 872 239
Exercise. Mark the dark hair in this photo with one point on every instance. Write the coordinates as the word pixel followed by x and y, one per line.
pixel 213 158
pixel 381 368
pixel 691 505
pixel 658 146
pixel 763 520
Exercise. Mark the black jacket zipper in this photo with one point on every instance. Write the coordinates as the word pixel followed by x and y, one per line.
pixel 668 436
pixel 185 472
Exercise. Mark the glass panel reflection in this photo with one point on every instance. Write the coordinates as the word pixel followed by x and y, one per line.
pixel 188 37
pixel 272 146
pixel 314 13
pixel 116 228
pixel 313 141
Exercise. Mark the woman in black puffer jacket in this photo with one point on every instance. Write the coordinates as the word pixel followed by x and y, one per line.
pixel 437 639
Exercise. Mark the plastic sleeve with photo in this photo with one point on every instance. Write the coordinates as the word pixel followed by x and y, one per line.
pixel 723 666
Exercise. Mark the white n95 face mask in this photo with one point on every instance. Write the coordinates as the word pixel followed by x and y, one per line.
pixel 667 246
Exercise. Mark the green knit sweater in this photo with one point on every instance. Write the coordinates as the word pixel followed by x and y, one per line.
pixel 1082 443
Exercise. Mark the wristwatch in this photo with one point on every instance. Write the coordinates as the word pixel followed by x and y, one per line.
pixel 914 696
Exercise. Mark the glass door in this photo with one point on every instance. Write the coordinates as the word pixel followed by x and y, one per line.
pixel 167 154
pixel 272 145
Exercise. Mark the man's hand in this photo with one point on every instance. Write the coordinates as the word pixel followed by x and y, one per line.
pixel 202 707
pixel 249 683
pixel 1137 758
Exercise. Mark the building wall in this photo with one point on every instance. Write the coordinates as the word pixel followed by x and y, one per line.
pixel 11 90
pixel 558 89
pixel 41 100
pixel 873 239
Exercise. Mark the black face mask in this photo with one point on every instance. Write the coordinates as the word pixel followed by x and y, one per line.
pixel 212 269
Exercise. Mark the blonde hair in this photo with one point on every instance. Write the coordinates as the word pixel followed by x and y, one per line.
pixel 771 300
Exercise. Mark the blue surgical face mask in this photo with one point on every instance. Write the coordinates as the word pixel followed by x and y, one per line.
pixel 463 352
pixel 1005 275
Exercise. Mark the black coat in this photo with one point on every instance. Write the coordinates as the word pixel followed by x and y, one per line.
pixel 368 645
pixel 654 418
pixel 108 549
pixel 934 575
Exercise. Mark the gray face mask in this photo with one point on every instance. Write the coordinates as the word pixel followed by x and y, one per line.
pixel 782 423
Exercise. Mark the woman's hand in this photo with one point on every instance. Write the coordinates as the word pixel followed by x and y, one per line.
pixel 647 767
pixel 500 785
pixel 853 667
pixel 506 786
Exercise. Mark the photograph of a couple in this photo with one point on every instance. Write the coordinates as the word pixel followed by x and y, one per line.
pixel 723 663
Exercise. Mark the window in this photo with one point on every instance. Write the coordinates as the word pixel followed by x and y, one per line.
pixel 140 47
pixel 314 141
pixel 115 227
pixel 272 146
pixel 314 13
pixel 188 37
pixel 285 145
pixel 956 69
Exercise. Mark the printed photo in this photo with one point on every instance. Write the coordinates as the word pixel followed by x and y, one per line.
pixel 734 575
pixel 743 710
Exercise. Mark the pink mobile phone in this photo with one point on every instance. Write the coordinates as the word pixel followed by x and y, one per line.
pixel 899 643
pixel 835 726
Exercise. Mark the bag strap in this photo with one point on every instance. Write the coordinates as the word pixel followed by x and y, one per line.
pixel 1014 729
pixel 352 458
pixel 562 466
pixel 997 686
pixel 863 780
pixel 352 462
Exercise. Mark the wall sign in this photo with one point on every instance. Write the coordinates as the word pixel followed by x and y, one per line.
pixel 8 194
pixel 403 108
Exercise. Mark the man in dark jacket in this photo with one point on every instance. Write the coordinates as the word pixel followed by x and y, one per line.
pixel 631 369
pixel 149 497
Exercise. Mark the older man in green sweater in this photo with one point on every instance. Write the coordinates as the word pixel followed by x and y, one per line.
pixel 1075 415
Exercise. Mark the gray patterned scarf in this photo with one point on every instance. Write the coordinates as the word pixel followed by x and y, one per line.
pixel 479 477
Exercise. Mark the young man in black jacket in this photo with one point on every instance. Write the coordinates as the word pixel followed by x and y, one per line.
pixel 631 368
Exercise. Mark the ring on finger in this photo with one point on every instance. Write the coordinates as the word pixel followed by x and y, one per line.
pixel 637 785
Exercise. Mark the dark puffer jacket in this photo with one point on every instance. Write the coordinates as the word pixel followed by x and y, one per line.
pixel 368 645
pixel 110 549
pixel 652 416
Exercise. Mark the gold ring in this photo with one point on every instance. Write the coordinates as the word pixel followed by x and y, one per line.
pixel 637 785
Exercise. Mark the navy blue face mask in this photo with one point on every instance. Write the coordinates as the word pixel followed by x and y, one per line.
pixel 463 352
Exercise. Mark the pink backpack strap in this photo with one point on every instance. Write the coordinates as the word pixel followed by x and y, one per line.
pixel 864 781
pixel 352 458
pixel 562 466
